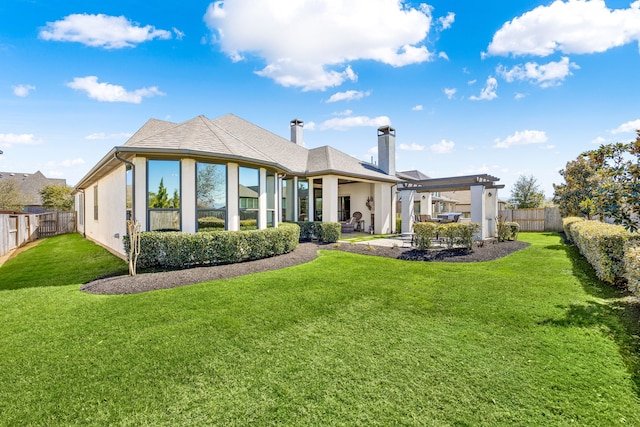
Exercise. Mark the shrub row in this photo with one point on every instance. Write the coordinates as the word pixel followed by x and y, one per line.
pixel 455 234
pixel 327 232
pixel 172 250
pixel 611 250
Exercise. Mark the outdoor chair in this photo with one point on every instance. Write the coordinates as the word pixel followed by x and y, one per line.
pixel 350 226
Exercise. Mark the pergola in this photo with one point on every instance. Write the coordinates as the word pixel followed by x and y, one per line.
pixel 484 198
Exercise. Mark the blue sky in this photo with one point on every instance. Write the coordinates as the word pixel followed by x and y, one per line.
pixel 507 88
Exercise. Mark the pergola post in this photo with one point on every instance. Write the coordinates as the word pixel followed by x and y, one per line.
pixel 478 209
pixel 408 197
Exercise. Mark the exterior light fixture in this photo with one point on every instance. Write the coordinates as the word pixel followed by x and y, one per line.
pixel 489 194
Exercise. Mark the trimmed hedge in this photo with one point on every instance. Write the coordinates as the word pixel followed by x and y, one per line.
pixel 567 224
pixel 327 232
pixel 632 266
pixel 174 250
pixel 455 234
pixel 603 245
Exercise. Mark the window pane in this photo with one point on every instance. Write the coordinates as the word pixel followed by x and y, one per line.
pixel 303 200
pixel 248 191
pixel 163 184
pixel 211 184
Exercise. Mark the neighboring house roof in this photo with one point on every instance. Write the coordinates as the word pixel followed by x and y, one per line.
pixel 413 175
pixel 232 138
pixel 30 184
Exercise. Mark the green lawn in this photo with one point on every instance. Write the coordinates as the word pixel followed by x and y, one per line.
pixel 532 339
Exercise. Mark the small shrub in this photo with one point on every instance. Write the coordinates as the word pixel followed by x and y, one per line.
pixel 307 230
pixel 328 232
pixel 425 232
pixel 567 223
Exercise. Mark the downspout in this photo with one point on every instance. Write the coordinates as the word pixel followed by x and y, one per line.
pixel 133 184
pixel 84 214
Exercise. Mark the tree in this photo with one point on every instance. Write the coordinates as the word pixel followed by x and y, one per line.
pixel 57 197
pixel 574 196
pixel 11 198
pixel 617 182
pixel 526 193
pixel 161 198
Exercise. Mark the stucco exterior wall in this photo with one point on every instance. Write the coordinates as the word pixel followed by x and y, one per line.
pixel 358 193
pixel 111 224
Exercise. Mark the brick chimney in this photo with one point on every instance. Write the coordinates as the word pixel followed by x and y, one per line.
pixel 387 149
pixel 296 132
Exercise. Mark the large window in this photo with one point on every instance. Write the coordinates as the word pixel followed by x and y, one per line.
pixel 271 199
pixel 248 191
pixel 163 195
pixel 211 193
pixel 303 200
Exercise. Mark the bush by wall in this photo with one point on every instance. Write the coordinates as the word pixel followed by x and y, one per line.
pixel 172 250
pixel 508 230
pixel 459 234
pixel 327 232
pixel 632 266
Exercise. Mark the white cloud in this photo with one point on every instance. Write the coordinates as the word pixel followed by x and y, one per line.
pixel 343 123
pixel 109 32
pixel 23 90
pixel 575 26
pixel 103 136
pixel 106 92
pixel 442 147
pixel 412 147
pixel 417 108
pixel 630 126
pixel 69 163
pixel 519 95
pixel 10 139
pixel 443 55
pixel 349 95
pixel 546 75
pixel 598 140
pixel 447 21
pixel 310 44
pixel 488 92
pixel 450 92
pixel 524 137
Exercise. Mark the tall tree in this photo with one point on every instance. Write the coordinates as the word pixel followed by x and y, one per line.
pixel 11 198
pixel 575 196
pixel 617 194
pixel 161 198
pixel 526 193
pixel 57 197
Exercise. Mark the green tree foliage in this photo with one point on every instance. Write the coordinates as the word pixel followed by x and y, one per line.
pixel 11 198
pixel 57 197
pixel 526 193
pixel 161 198
pixel 617 186
pixel 574 195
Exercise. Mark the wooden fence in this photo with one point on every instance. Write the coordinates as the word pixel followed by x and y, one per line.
pixel 17 229
pixel 541 219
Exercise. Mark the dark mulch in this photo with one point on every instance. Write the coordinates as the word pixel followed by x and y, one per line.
pixel 305 252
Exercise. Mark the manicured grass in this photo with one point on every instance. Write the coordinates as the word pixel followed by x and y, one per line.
pixel 58 261
pixel 531 339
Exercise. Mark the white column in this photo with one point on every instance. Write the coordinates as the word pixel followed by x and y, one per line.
pixel 382 199
pixel 233 201
pixel 188 195
pixel 277 203
pixel 140 179
pixel 262 199
pixel 330 199
pixel 408 197
pixel 293 211
pixel 491 211
pixel 394 208
pixel 478 209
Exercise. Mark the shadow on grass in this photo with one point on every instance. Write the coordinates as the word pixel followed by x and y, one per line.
pixel 618 314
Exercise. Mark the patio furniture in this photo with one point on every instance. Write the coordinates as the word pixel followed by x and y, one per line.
pixel 350 226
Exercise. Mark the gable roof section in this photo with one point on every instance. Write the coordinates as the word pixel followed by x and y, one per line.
pixel 329 160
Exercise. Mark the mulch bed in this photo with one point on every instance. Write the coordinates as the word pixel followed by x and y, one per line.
pixel 305 252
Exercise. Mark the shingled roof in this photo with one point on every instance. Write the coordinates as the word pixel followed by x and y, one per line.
pixel 30 185
pixel 230 137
